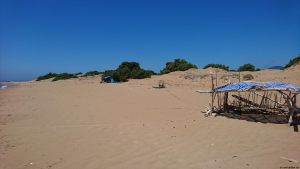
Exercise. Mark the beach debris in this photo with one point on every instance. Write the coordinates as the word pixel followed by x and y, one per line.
pixel 209 111
pixel 3 86
pixel 161 85
pixel 28 164
pixel 289 159
pixel 235 156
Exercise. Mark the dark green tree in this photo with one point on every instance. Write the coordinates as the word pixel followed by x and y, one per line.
pixel 177 65
pixel 247 67
pixel 128 70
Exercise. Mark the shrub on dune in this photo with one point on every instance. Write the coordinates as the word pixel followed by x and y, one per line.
pixel 47 76
pixel 292 62
pixel 128 70
pixel 219 66
pixel 247 67
pixel 55 76
pixel 91 73
pixel 64 76
pixel 248 77
pixel 177 65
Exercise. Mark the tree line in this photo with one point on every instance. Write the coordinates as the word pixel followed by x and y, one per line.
pixel 132 70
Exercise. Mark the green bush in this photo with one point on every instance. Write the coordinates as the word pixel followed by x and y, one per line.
pixel 60 76
pixel 220 66
pixel 64 76
pixel 47 76
pixel 91 73
pixel 247 67
pixel 177 65
pixel 128 70
pixel 248 77
pixel 293 62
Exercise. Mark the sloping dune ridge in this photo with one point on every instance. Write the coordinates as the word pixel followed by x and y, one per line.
pixel 83 124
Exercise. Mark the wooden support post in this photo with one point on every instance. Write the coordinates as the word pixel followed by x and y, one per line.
pixel 262 100
pixel 275 101
pixel 212 92
pixel 288 100
pixel 225 104
pixel 216 78
pixel 291 112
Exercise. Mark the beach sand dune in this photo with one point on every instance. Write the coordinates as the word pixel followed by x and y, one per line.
pixel 82 124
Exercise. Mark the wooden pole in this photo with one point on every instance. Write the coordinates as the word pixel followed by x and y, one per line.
pixel 262 99
pixel 216 78
pixel 275 104
pixel 239 92
pixel 225 105
pixel 212 92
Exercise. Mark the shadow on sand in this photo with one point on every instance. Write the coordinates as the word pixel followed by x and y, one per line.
pixel 261 117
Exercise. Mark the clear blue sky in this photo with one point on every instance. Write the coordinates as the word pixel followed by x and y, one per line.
pixel 41 36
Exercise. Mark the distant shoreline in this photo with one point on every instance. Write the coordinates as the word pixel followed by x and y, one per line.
pixel 4 85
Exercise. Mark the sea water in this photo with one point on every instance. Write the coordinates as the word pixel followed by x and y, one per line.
pixel 3 86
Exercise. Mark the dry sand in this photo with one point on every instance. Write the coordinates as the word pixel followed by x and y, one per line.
pixel 82 124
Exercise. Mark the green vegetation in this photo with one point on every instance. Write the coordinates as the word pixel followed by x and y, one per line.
pixel 177 65
pixel 64 76
pixel 248 77
pixel 247 67
pixel 128 70
pixel 61 76
pixel 91 73
pixel 108 72
pixel 293 62
pixel 220 66
pixel 132 70
pixel 47 76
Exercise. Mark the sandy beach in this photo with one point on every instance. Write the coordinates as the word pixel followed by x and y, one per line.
pixel 83 124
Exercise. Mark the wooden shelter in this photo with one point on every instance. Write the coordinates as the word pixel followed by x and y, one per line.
pixel 249 96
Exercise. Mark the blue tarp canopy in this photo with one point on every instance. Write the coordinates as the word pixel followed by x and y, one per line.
pixel 248 85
